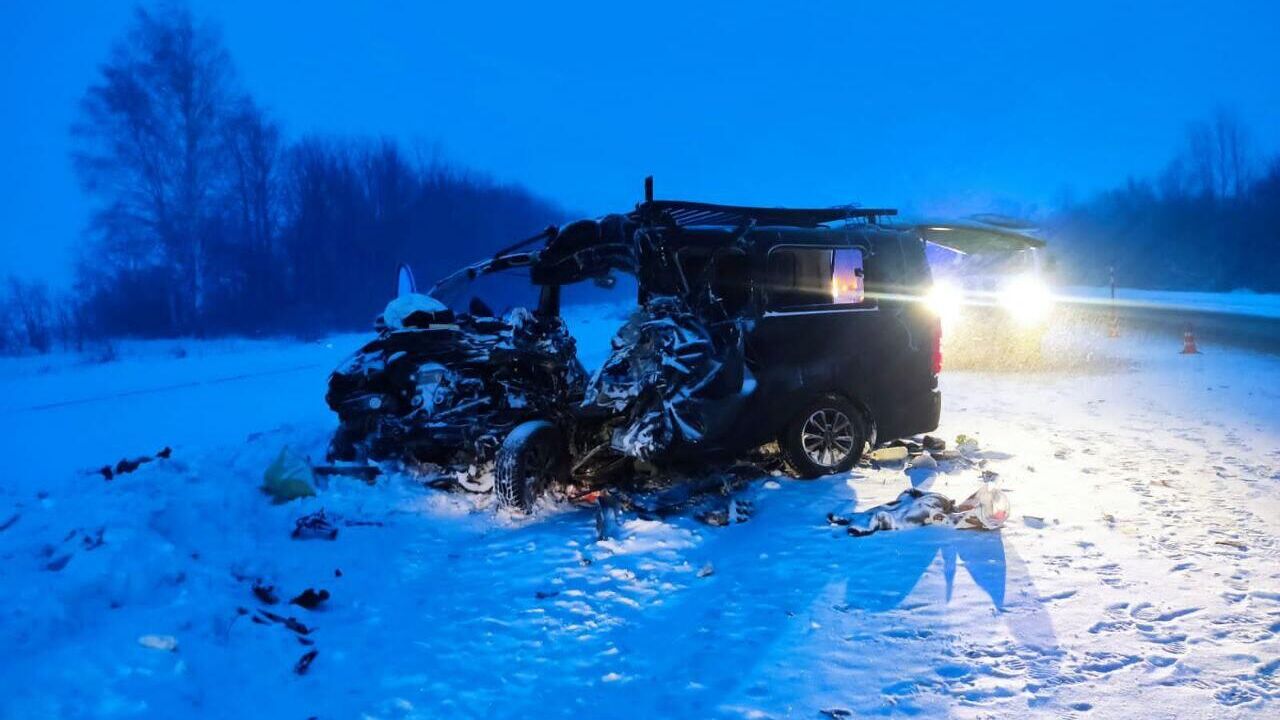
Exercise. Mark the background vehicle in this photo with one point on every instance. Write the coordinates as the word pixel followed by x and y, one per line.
pixel 991 288
pixel 751 326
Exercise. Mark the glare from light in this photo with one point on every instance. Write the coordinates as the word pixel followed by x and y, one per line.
pixel 945 300
pixel 1027 299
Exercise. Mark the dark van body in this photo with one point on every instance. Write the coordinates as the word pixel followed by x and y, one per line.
pixel 878 352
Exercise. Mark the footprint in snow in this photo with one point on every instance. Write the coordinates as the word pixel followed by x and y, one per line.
pixel 1150 613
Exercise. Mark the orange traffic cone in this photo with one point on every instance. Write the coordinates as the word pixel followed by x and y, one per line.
pixel 1189 342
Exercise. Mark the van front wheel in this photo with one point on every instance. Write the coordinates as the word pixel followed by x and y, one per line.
pixel 530 459
pixel 826 437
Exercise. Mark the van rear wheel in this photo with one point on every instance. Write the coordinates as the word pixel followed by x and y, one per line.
pixel 826 437
pixel 531 458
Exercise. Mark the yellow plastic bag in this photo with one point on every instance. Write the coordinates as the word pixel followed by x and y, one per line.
pixel 288 478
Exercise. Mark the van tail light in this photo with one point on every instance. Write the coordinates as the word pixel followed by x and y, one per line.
pixel 936 365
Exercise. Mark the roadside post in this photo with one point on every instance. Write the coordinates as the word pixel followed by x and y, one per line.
pixel 1113 331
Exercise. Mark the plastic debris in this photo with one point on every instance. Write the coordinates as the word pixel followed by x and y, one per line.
pixel 966 444
pixel 986 509
pixel 892 454
pixel 166 643
pixel 606 517
pixel 288 478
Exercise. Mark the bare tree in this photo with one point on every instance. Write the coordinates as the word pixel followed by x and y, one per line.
pixel 1217 156
pixel 254 148
pixel 149 136
pixel 29 306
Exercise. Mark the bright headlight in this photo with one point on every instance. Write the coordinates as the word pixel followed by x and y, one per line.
pixel 945 300
pixel 1027 299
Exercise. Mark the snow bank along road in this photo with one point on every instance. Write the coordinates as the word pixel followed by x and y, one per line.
pixel 1238 319
pixel 1137 577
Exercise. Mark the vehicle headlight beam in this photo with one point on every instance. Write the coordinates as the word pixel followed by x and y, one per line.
pixel 1027 299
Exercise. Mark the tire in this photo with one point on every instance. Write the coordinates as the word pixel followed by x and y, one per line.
pixel 530 459
pixel 826 437
pixel 344 445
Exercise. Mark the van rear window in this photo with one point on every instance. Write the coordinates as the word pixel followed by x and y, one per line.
pixel 804 277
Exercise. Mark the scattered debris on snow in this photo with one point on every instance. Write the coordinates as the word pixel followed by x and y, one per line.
pixel 304 662
pixel 266 594
pixel 310 598
pixel 127 465
pixel 967 445
pixel 314 526
pixel 986 509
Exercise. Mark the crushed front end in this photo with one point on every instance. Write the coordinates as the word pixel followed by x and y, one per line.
pixel 442 389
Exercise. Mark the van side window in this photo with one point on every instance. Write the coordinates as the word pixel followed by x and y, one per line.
pixel 805 277
pixel 729 280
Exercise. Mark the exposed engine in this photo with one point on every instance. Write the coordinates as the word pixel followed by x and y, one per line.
pixel 444 389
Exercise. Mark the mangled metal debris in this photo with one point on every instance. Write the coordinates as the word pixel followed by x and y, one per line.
pixel 439 389
pixel 663 376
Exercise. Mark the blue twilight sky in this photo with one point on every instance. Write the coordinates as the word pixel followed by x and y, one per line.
pixel 939 107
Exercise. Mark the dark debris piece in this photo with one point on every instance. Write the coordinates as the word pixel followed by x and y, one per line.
pixel 9 523
pixel 314 527
pixel 913 448
pixel 94 541
pixel 304 662
pixel 544 594
pixel 58 563
pixel 310 599
pixel 368 473
pixel 289 622
pixel 266 593
pixel 126 465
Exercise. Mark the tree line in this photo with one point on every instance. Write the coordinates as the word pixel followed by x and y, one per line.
pixel 208 220
pixel 1210 221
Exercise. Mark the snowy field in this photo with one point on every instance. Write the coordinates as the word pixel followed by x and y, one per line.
pixel 1139 575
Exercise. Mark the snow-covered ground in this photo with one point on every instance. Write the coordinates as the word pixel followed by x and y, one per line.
pixel 1138 577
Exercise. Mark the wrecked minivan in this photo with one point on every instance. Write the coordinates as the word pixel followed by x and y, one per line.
pixel 752 328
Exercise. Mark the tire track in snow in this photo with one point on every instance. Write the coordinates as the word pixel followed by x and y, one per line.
pixel 167 388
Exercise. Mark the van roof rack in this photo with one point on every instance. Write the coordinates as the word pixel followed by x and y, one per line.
pixel 683 213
